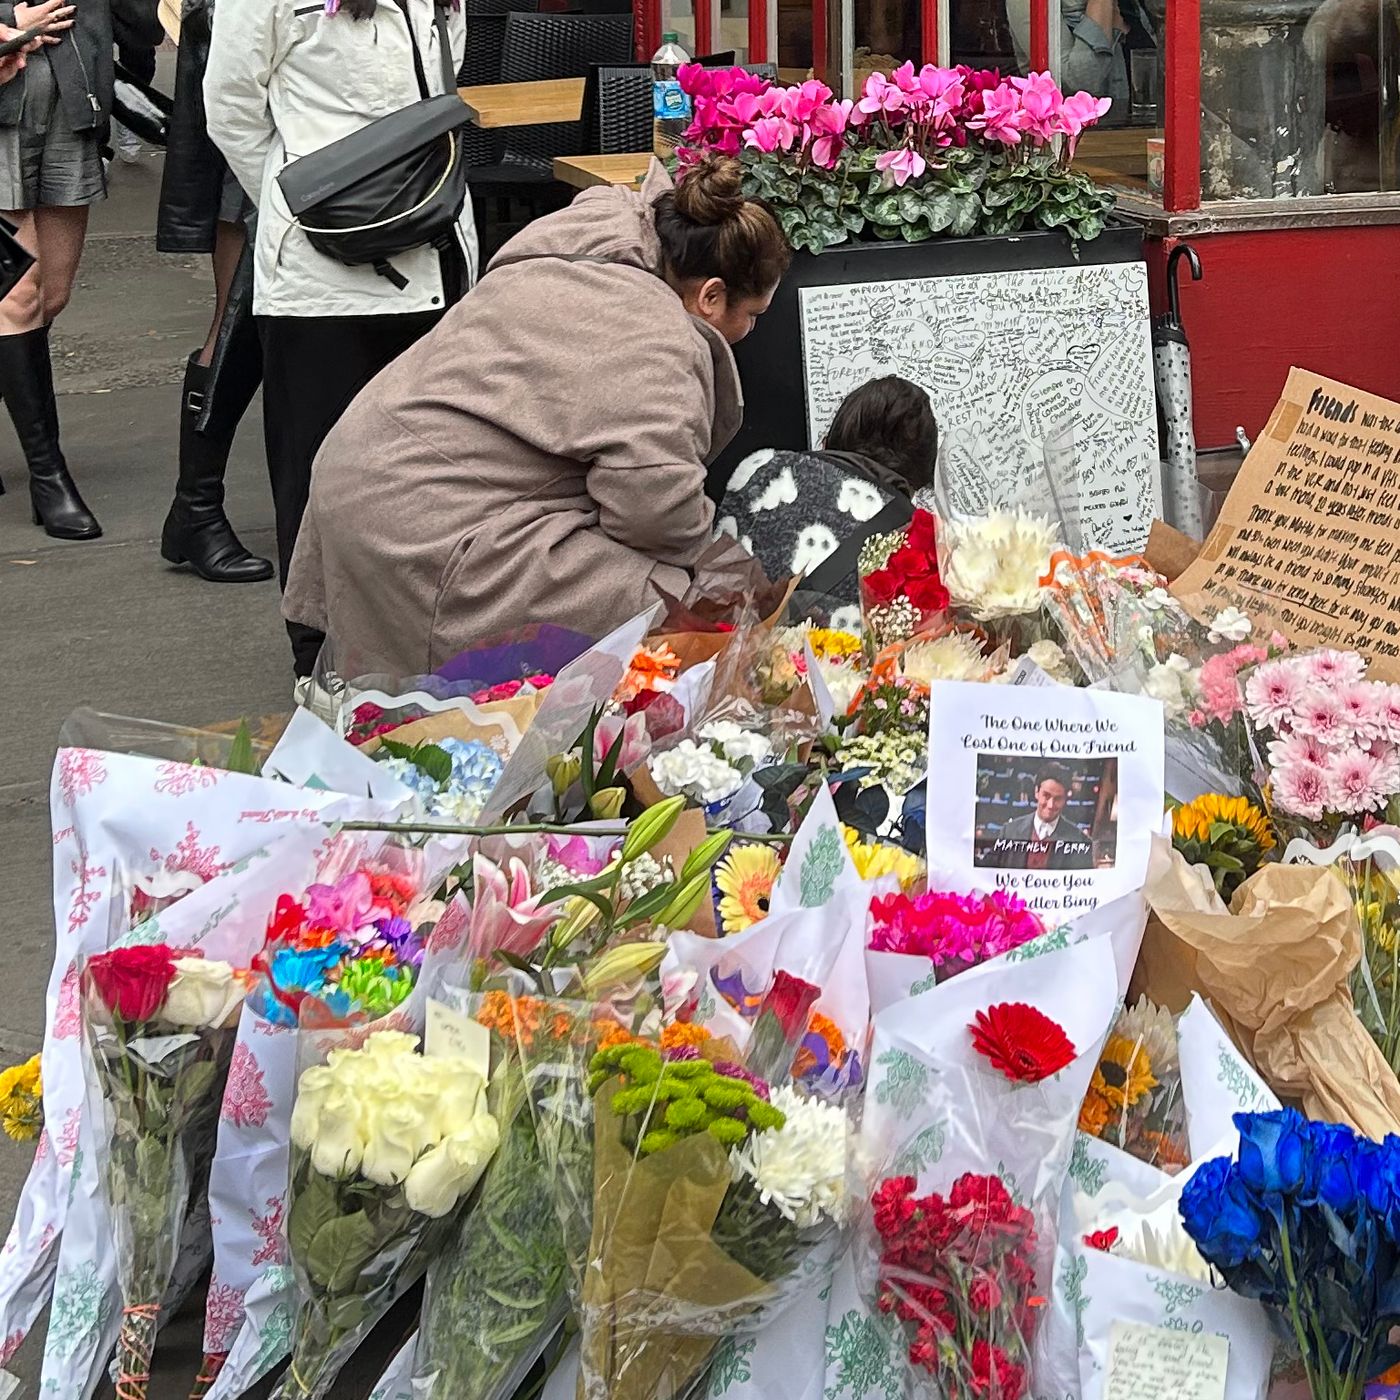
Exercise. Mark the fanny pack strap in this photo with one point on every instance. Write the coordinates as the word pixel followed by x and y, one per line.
pixel 844 560
pixel 449 78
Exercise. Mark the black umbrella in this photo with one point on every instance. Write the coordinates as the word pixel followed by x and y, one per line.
pixel 1171 363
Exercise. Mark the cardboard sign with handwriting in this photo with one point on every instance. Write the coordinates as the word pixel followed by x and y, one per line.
pixel 1308 541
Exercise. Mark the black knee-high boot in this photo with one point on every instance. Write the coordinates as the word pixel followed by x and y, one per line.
pixel 26 384
pixel 197 532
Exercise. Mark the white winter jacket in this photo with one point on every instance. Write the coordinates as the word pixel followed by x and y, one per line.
pixel 284 79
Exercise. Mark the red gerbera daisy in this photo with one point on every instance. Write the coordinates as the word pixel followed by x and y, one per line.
pixel 1021 1042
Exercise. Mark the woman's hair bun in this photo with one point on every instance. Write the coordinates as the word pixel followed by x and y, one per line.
pixel 711 192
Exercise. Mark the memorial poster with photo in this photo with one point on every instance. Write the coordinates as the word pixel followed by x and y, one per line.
pixel 1051 793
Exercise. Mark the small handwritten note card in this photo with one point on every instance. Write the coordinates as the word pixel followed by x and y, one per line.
pixel 448 1032
pixel 1155 1363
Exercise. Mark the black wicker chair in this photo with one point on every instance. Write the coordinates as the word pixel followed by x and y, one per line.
pixel 620 122
pixel 538 47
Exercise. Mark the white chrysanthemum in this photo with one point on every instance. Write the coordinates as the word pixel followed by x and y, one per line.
pixel 954 657
pixel 737 742
pixel 697 771
pixel 843 683
pixel 1051 659
pixel 800 1168
pixel 995 563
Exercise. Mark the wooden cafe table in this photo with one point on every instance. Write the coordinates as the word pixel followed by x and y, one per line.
pixel 583 171
pixel 495 105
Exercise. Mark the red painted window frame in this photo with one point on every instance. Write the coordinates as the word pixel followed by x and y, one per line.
pixel 1181 123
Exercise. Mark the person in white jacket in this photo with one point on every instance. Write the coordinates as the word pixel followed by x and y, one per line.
pixel 285 78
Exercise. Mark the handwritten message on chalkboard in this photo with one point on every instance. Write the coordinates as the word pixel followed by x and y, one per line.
pixel 1011 361
pixel 1153 1363
pixel 1309 538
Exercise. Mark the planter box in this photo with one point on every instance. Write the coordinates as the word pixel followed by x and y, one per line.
pixel 771 357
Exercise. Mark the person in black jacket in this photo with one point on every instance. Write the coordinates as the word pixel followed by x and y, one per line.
pixel 204 210
pixel 53 123
pixel 809 512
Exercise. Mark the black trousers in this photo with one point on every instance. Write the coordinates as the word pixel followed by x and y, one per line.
pixel 312 367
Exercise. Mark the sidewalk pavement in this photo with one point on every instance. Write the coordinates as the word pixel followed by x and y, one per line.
pixel 106 623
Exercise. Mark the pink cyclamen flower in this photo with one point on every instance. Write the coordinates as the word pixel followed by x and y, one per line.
pixel 1334 667
pixel 1272 693
pixel 826 132
pixel 799 103
pixel 945 83
pixel 1041 102
pixel 1355 782
pixel 1079 113
pixel 1320 714
pixel 769 134
pixel 744 108
pixel 1302 789
pixel 1001 118
pixel 881 95
pixel 902 165
pixel 506 915
pixel 905 78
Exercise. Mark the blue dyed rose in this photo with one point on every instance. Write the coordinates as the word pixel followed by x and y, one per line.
pixel 1333 1157
pixel 1272 1151
pixel 1220 1214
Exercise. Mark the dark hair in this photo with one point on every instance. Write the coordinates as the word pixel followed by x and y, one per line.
pixel 709 229
pixel 358 9
pixel 890 421
pixel 1053 773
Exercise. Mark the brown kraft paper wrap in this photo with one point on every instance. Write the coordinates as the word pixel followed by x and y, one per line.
pixel 514 715
pixel 1277 971
pixel 652 1254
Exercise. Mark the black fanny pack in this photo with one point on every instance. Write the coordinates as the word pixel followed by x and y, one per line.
pixel 398 183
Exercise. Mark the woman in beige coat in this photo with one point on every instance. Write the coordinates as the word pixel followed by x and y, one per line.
pixel 540 456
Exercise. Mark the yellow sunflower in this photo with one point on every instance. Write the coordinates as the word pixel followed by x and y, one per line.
pixel 1194 819
pixel 874 858
pixel 745 880
pixel 21 1100
pixel 1123 1074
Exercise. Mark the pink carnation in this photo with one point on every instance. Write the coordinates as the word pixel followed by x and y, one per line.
pixel 950 928
pixel 1302 789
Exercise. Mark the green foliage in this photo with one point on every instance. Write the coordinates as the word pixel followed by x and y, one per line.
pixel 966 193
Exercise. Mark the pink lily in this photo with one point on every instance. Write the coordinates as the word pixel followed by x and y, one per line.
pixel 575 854
pixel 635 744
pixel 1001 118
pixel 506 916
pixel 902 165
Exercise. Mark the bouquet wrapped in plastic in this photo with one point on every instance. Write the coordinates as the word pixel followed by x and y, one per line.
pixel 697 1200
pixel 159 1027
pixel 496 1290
pixel 901 590
pixel 385 1144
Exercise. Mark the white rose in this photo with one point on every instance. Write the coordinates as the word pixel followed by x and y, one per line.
pixel 203 992
pixel 398 1131
pixel 315 1084
pixel 387 1045
pixel 441 1177
pixel 459 1101
pixel 338 1145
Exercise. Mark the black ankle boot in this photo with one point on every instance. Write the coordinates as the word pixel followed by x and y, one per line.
pixel 26 383
pixel 197 531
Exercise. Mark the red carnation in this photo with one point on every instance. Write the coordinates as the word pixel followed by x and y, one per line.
pixel 985 1294
pixel 1102 1239
pixel 994 1374
pixel 894 1205
pixel 132 982
pixel 1021 1042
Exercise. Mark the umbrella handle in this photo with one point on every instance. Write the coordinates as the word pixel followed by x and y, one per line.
pixel 1182 250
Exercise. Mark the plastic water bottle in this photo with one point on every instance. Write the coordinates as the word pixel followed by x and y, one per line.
pixel 670 107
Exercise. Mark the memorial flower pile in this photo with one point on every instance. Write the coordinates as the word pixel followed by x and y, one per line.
pixel 920 153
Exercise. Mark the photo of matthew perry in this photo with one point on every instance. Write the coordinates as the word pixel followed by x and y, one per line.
pixel 1039 815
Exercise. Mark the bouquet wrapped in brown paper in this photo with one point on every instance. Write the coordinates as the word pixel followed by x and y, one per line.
pixel 1276 967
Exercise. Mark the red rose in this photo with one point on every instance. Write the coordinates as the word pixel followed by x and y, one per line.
pixel 790 1000
pixel 881 587
pixel 1021 1042
pixel 928 593
pixel 665 714
pixel 132 982
pixel 922 533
